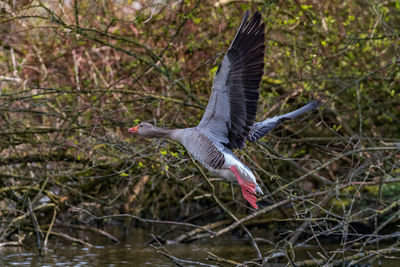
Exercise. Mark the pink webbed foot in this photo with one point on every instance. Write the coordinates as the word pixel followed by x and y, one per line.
pixel 248 188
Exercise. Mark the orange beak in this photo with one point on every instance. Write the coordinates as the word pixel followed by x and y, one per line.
pixel 134 129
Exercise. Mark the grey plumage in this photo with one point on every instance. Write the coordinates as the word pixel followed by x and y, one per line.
pixel 229 117
pixel 203 149
pixel 232 107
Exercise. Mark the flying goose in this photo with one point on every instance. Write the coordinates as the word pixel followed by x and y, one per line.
pixel 229 117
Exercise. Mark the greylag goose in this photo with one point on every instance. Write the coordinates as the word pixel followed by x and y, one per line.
pixel 229 117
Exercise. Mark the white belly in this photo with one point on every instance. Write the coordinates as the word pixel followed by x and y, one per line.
pixel 224 173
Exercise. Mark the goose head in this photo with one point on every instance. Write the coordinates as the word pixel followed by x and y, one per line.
pixel 143 129
pixel 147 130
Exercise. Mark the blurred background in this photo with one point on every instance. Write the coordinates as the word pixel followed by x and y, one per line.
pixel 75 75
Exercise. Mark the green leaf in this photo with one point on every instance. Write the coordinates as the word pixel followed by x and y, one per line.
pixel 213 71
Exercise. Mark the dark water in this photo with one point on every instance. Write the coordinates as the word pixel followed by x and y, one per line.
pixel 132 251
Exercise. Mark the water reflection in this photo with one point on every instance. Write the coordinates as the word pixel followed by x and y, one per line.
pixel 132 251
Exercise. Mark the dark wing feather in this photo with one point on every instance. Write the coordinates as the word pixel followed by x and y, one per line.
pixel 232 106
pixel 260 129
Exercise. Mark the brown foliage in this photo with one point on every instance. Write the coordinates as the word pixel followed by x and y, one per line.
pixel 75 75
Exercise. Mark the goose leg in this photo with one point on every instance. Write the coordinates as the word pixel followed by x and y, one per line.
pixel 248 188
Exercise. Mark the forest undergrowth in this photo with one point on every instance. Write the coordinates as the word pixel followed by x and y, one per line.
pixel 75 75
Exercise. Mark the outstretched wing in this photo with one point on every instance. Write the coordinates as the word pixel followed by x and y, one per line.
pixel 260 129
pixel 232 106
